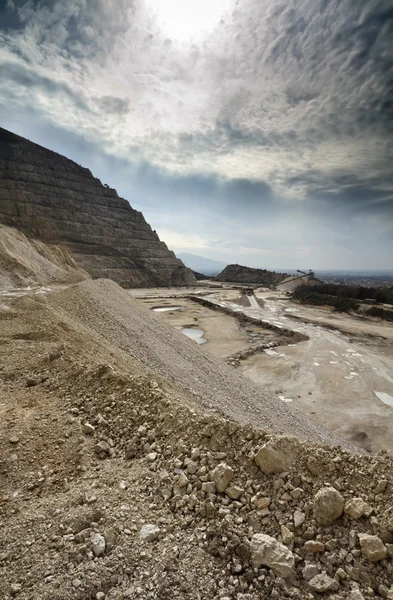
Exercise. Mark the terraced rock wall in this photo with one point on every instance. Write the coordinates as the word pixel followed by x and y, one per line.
pixel 55 200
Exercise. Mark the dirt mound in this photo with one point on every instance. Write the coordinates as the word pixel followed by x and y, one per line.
pixel 27 262
pixel 115 485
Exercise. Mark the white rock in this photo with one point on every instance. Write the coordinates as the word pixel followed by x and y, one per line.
pixel 328 505
pixel 356 595
pixel 88 429
pixel 266 550
pixel 277 455
pixel 323 583
pixel 16 588
pixel 372 547
pixel 298 518
pixel 222 476
pixel 310 571
pixel 149 533
pixel 357 507
pixel 98 544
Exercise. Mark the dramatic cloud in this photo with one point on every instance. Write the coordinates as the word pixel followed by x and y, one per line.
pixel 276 112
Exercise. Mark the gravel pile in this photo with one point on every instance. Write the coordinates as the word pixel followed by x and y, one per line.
pixel 105 308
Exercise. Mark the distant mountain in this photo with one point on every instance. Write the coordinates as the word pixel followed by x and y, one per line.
pixel 241 274
pixel 203 265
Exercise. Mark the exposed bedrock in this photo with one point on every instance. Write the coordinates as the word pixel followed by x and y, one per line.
pixel 53 199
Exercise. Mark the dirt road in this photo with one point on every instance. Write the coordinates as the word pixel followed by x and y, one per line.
pixel 336 376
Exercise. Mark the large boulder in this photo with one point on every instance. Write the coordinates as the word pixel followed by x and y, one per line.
pixel 277 455
pixel 267 551
pixel 328 505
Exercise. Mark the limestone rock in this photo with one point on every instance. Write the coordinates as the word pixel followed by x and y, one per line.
pixel 234 492
pixel 310 571
pixel 323 583
pixel 149 533
pixel 98 544
pixel 372 547
pixel 266 550
pixel 88 429
pixel 277 455
pixel 298 518
pixel 222 476
pixel 52 199
pixel 328 505
pixel 287 535
pixel 357 507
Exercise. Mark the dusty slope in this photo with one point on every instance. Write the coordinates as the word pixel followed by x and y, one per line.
pixel 110 312
pixel 25 262
pixel 92 448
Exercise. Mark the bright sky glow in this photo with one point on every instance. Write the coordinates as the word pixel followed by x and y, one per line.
pixel 187 19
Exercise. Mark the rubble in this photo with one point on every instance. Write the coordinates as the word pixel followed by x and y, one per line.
pixel 372 547
pixel 266 550
pixel 328 505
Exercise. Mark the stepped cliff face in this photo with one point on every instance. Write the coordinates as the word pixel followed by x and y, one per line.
pixel 240 274
pixel 53 199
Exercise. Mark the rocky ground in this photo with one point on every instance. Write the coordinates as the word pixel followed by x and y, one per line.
pixel 115 483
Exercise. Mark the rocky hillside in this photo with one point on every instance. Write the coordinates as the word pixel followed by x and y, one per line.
pixel 27 262
pixel 53 199
pixel 241 274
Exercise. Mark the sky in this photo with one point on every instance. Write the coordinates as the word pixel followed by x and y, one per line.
pixel 251 131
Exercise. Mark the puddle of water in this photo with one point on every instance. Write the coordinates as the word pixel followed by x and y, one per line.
pixel 165 308
pixel 195 334
pixel 385 398
pixel 316 364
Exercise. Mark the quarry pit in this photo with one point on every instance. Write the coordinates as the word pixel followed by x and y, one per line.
pixel 340 376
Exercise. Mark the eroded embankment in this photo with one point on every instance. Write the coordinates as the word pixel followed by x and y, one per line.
pixel 285 336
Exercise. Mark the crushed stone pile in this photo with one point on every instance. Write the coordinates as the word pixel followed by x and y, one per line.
pixel 112 486
pixel 26 262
